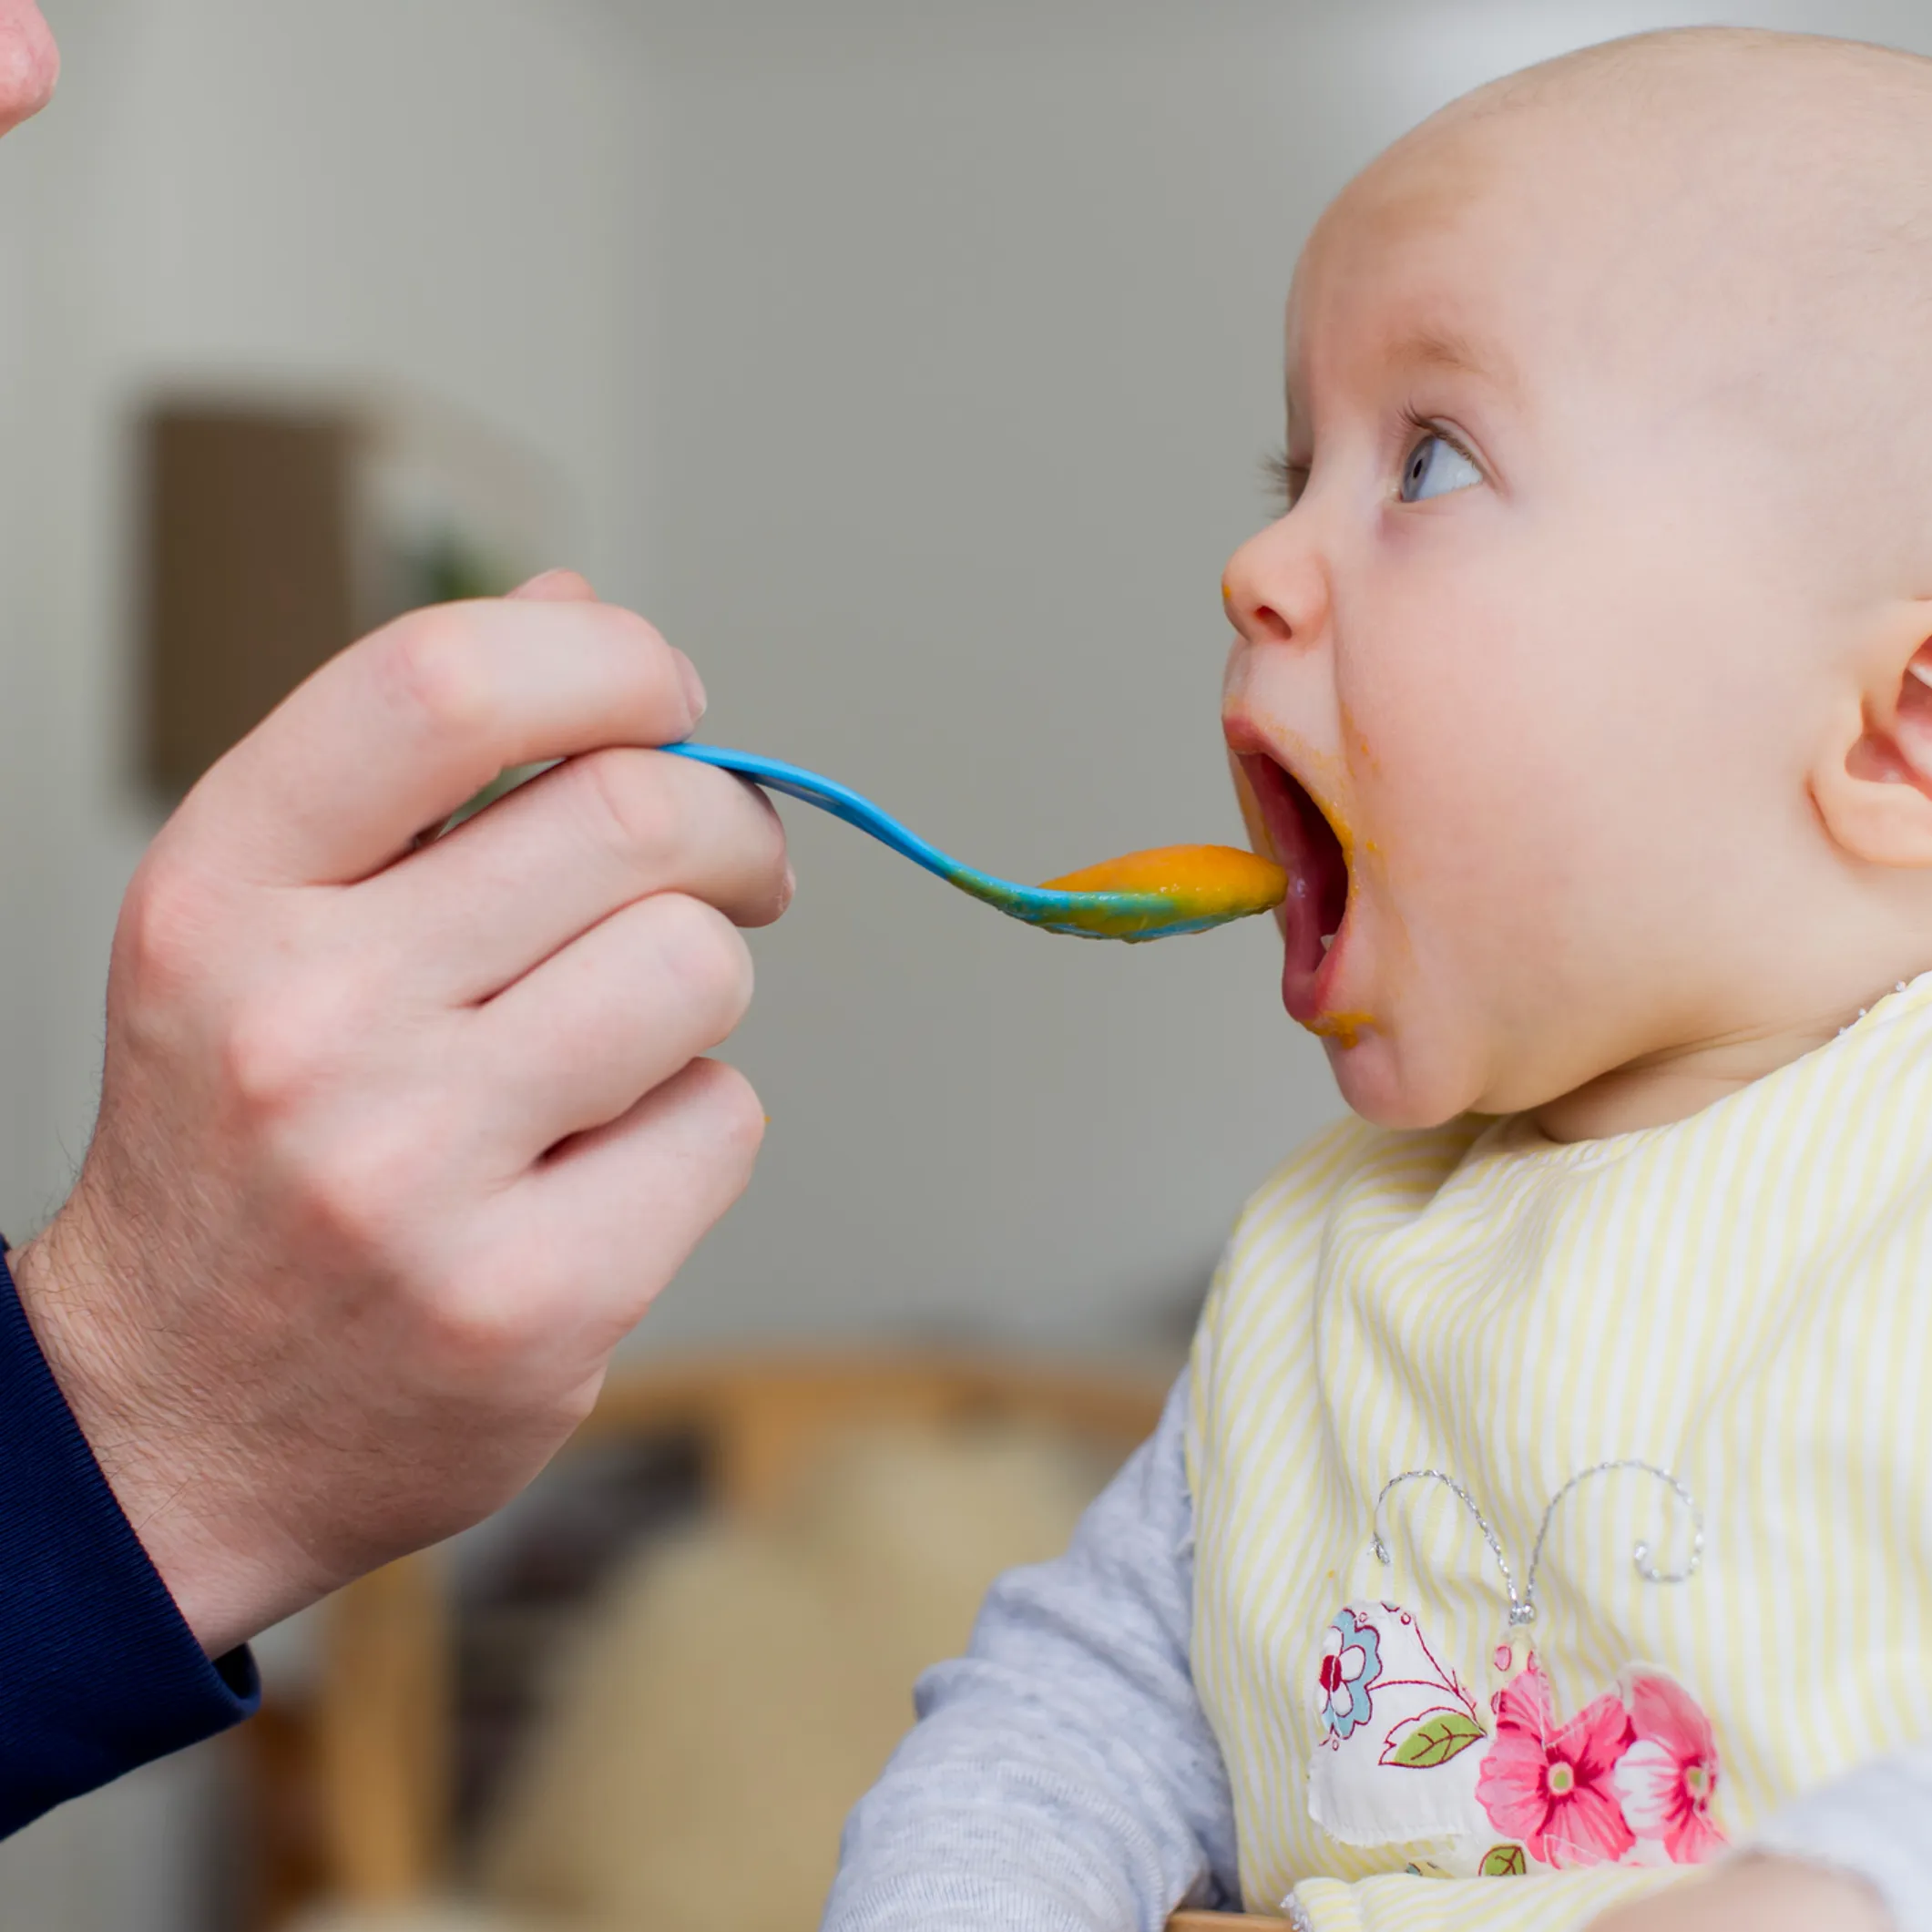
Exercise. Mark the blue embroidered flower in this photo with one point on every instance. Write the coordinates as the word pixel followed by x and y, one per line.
pixel 1351 1662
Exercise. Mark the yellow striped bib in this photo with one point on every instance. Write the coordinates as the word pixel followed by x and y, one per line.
pixel 1691 1361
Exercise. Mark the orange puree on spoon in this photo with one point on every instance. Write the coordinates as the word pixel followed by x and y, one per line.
pixel 1211 882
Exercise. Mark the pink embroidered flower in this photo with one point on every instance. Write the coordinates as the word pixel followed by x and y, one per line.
pixel 1552 1788
pixel 1667 1777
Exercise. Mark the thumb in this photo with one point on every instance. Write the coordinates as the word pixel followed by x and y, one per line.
pixel 556 587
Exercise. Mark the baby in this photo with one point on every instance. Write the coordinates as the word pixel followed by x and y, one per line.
pixel 1548 1507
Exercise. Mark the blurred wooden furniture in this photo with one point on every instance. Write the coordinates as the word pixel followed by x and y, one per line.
pixel 250 572
pixel 1218 1922
pixel 382 1715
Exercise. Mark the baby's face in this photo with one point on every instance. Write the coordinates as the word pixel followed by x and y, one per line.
pixel 1527 641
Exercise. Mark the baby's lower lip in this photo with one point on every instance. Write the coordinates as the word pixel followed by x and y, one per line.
pixel 1306 995
pixel 1314 917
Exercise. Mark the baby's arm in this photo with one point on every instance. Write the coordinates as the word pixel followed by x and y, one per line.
pixel 1062 1776
pixel 1764 1895
pixel 1854 1854
pixel 1874 1824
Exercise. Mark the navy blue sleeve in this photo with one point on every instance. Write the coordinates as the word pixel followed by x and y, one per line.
pixel 98 1671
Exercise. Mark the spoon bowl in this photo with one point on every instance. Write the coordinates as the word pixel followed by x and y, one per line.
pixel 1145 895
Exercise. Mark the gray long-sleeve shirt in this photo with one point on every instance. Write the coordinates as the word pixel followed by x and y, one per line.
pixel 1063 1776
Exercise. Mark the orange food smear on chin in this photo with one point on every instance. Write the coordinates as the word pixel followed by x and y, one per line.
pixel 1208 876
pixel 1344 1028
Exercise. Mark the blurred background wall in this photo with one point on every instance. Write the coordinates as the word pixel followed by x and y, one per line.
pixel 911 365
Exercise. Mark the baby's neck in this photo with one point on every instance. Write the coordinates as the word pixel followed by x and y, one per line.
pixel 1673 1085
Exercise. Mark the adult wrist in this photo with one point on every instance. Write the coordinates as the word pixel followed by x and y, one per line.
pixel 148 1439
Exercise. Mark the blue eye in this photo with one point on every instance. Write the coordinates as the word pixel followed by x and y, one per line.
pixel 1435 467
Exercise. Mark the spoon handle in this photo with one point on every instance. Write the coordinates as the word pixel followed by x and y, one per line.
pixel 1103 913
pixel 831 796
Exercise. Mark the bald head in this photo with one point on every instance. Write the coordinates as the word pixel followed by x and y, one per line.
pixel 1742 218
pixel 1646 69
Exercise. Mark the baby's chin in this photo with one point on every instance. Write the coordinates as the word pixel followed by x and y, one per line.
pixel 1394 1079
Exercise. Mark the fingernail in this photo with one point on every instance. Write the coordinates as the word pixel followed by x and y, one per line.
pixel 554 586
pixel 693 685
pixel 790 890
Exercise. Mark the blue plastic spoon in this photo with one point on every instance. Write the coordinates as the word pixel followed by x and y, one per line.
pixel 1145 895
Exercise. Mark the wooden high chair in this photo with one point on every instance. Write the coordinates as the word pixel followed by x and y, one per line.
pixel 381 1758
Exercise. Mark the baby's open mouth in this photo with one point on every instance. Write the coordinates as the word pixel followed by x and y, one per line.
pixel 1317 867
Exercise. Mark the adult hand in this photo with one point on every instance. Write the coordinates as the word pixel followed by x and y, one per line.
pixel 1755 1895
pixel 397 1139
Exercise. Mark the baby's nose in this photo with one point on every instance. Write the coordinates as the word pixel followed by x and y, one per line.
pixel 29 62
pixel 1275 588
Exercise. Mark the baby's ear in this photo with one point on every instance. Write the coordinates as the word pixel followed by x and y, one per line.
pixel 1872 783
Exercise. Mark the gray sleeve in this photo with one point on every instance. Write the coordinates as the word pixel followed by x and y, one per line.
pixel 1062 1776
pixel 1874 1824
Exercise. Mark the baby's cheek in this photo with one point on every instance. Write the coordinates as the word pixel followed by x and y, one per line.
pixel 1432 966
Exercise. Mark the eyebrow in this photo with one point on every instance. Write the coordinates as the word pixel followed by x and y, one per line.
pixel 1436 348
pixel 1444 349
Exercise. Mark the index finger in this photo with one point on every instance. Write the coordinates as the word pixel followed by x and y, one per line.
pixel 400 729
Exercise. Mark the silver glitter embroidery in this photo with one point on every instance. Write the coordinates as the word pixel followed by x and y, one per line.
pixel 1520 1611
pixel 1522 1603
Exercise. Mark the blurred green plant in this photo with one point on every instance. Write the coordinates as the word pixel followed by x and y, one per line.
pixel 449 566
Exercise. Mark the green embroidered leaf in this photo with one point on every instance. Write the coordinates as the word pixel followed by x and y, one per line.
pixel 1504 1861
pixel 1435 1741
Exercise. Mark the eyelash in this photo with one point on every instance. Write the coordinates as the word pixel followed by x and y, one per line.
pixel 1286 480
pixel 1420 426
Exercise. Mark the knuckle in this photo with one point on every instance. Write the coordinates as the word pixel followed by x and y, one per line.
pixel 434 669
pixel 478 1330
pixel 266 1061
pixel 638 632
pixel 574 1407
pixel 627 812
pixel 650 664
pixel 353 1195
pixel 704 953
pixel 166 926
pixel 278 1051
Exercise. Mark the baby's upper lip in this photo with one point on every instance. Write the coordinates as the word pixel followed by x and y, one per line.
pixel 1247 739
pixel 1243 735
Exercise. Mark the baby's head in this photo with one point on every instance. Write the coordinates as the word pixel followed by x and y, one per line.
pixel 1592 629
